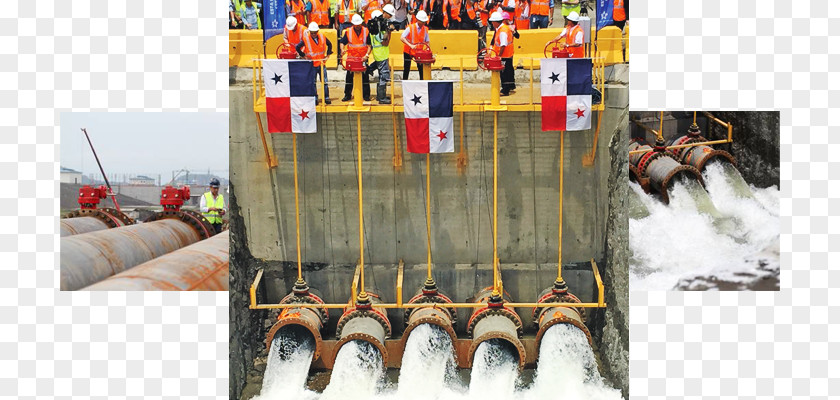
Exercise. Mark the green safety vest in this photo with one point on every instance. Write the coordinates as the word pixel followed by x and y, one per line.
pixel 240 8
pixel 219 202
pixel 567 9
pixel 380 52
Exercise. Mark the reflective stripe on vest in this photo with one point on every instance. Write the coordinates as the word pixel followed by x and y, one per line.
pixel 218 202
pixel 293 36
pixel 356 43
pixel 380 51
pixel 539 7
pixel 504 29
pixel 372 6
pixel 577 52
pixel 345 12
pixel 315 51
pixel 320 12
pixel 416 35
pixel 618 10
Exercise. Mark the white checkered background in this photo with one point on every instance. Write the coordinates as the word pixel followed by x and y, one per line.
pixel 740 56
pixel 105 56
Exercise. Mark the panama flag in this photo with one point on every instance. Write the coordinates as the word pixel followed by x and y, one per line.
pixel 428 116
pixel 290 95
pixel 566 85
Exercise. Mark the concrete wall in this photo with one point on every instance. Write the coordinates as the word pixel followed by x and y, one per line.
pixel 461 201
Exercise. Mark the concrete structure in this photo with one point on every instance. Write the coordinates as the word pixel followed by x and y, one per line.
pixel 141 180
pixel 70 176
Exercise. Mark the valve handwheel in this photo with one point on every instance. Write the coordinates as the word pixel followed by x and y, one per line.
pixel 558 45
pixel 482 54
pixel 423 49
pixel 285 51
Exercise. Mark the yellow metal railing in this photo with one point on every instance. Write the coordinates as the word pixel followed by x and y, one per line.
pixel 600 303
pixel 727 125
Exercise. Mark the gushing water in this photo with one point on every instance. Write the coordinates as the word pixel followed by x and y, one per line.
pixel 287 367
pixel 685 240
pixel 567 369
pixel 427 364
pixel 494 371
pixel 356 374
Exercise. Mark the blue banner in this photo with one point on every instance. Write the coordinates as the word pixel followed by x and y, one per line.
pixel 274 12
pixel 604 11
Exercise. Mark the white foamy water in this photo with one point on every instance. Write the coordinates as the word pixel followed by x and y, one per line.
pixel 428 363
pixel 494 372
pixel 677 241
pixel 357 372
pixel 287 368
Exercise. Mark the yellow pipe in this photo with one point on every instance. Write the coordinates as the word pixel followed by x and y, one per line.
pixel 495 87
pixel 708 143
pixel 645 127
pixel 560 203
pixel 427 72
pixel 268 157
pixel 362 293
pixel 357 89
pixel 695 118
pixel 397 156
pixel 461 74
pixel 400 283
pixel 297 206
pixel 659 136
pixel 496 290
pixel 589 159
pixel 531 93
pixel 598 282
pixel 428 223
pixel 713 118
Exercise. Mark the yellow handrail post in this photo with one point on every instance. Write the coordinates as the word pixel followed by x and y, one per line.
pixel 362 297
pixel 397 155
pixel 297 208
pixel 496 289
pixel 428 224
pixel 559 281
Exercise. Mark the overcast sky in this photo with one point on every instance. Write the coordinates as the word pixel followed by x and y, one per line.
pixel 146 143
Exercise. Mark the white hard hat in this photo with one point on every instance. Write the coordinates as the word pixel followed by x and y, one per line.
pixel 375 13
pixel 573 16
pixel 389 9
pixel 421 15
pixel 313 27
pixel 291 22
pixel 356 20
pixel 496 16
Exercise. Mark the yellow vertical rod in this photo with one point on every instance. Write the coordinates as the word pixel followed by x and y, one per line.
pixel 531 94
pixel 427 72
pixel 661 115
pixel 695 118
pixel 496 290
pixel 362 293
pixel 495 87
pixel 357 89
pixel 320 88
pixel 297 205
pixel 265 145
pixel 461 72
pixel 560 205
pixel 428 222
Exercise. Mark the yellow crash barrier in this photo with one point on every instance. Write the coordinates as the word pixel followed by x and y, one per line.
pixel 244 45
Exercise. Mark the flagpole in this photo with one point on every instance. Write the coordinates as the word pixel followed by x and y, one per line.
pixel 362 297
pixel 428 224
pixel 300 285
pixel 559 282
pixel 496 292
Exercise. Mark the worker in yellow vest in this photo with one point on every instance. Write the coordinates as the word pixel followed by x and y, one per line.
pixel 213 205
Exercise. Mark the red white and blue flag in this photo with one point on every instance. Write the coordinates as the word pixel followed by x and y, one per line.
pixel 428 116
pixel 566 86
pixel 290 95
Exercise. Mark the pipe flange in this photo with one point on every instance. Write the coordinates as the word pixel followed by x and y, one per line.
pixel 666 182
pixel 432 320
pixel 562 319
pixel 520 349
pixel 314 330
pixel 436 298
pixel 681 141
pixel 363 337
pixel 708 156
pixel 194 219
pixel 634 173
pixel 111 217
pixel 537 312
pixel 377 315
pixel 649 157
pixel 487 311
pixel 310 298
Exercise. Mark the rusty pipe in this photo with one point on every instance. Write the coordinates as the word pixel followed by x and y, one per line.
pixel 92 219
pixel 494 321
pixel 75 226
pixel 91 257
pixel 300 322
pixel 660 167
pixel 698 156
pixel 547 317
pixel 364 322
pixel 199 266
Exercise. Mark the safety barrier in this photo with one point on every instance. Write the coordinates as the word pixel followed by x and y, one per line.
pixel 451 48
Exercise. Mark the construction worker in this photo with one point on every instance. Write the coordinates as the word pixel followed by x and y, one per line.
pixel 482 23
pixel 574 36
pixel 346 9
pixel 414 36
pixel 567 7
pixel 369 6
pixel 379 43
pixel 542 13
pixel 293 33
pixel 415 6
pixel 355 42
pixel 320 13
pixel 299 10
pixel 251 15
pixel 503 46
pixel 317 48
pixel 619 19
pixel 459 14
pixel 213 205
pixel 522 16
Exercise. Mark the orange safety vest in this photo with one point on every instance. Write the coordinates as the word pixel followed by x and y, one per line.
pixel 320 12
pixel 455 9
pixel 539 7
pixel 343 10
pixel 577 52
pixel 618 10
pixel 356 44
pixel 423 5
pixel 299 11
pixel 293 36
pixel 483 13
pixel 373 5
pixel 504 29
pixel 315 51
pixel 523 14
pixel 416 35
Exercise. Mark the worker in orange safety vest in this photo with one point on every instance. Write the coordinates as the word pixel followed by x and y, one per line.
pixel 317 48
pixel 503 46
pixel 574 36
pixel 355 42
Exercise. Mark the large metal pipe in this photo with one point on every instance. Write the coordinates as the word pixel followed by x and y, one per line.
pixel 495 321
pixel 91 257
pixel 364 322
pixel 199 266
pixel 660 167
pixel 87 220
pixel 300 322
pixel 546 317
pixel 698 156
pixel 75 226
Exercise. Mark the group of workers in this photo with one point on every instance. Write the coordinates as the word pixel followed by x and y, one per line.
pixel 365 28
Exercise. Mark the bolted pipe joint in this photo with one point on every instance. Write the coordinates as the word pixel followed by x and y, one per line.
pixel 368 323
pixel 551 295
pixel 698 156
pixel 429 294
pixel 551 316
pixel 86 220
pixel 660 167
pixel 501 323
pixel 300 322
pixel 194 219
